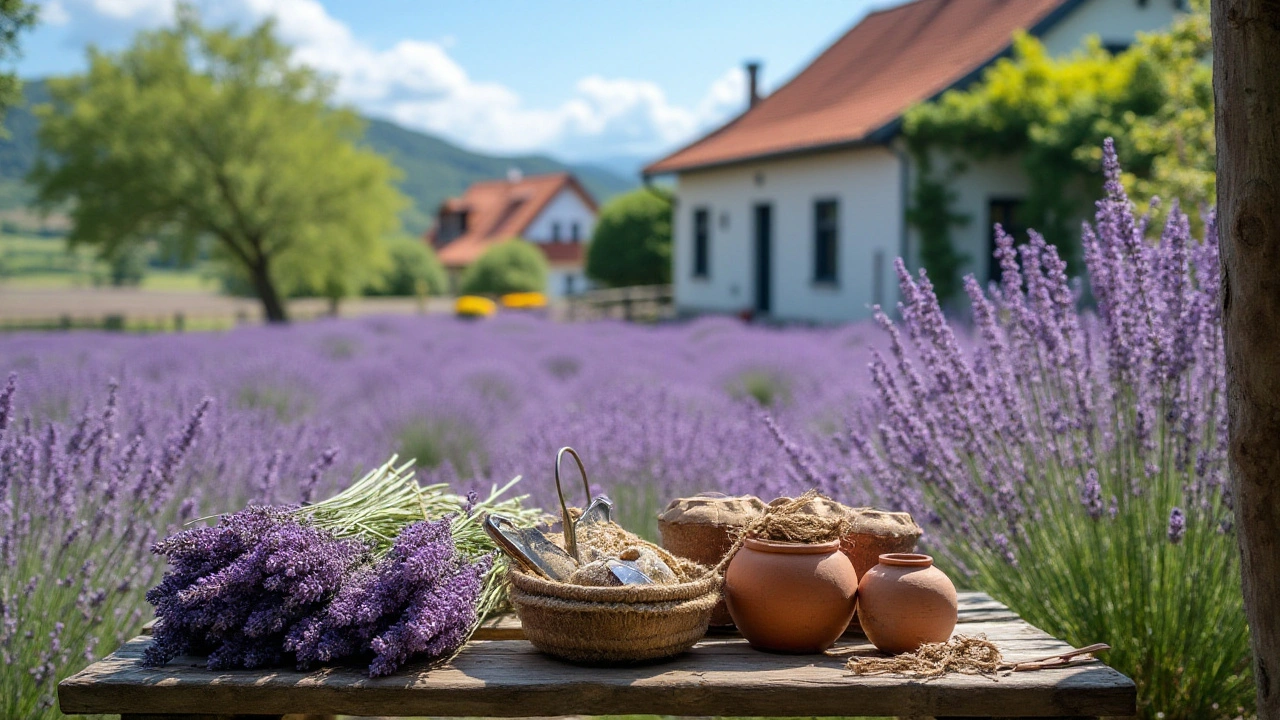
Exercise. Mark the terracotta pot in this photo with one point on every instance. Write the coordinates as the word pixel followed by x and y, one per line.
pixel 905 602
pixel 790 597
pixel 703 529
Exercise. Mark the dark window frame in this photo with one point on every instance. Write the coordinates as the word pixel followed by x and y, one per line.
pixel 702 242
pixel 555 231
pixel 826 242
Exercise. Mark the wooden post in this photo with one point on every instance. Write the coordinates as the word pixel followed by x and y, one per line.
pixel 1246 81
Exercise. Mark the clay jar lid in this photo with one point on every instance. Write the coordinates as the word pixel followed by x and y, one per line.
pixel 712 509
pixel 791 548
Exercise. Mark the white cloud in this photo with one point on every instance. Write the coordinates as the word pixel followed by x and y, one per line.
pixel 418 84
pixel 54 13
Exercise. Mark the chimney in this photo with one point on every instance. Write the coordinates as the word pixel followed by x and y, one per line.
pixel 753 83
pixel 514 175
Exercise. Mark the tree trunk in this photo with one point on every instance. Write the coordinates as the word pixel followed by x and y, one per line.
pixel 1246 80
pixel 272 305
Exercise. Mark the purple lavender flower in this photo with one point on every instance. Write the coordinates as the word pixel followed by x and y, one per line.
pixel 420 600
pixel 1177 525
pixel 235 589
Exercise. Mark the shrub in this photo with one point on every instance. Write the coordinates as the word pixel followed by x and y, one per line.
pixel 631 244
pixel 1074 463
pixel 511 266
pixel 414 270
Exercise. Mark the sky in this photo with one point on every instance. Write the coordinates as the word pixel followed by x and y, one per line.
pixel 603 81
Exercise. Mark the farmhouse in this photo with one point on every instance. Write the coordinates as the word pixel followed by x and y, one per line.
pixel 796 209
pixel 553 211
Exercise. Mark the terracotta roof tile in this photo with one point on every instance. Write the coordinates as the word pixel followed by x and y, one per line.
pixel 498 210
pixel 885 64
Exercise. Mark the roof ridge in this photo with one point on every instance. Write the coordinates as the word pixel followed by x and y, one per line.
pixel 865 79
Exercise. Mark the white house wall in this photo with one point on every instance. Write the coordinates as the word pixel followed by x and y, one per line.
pixel 867 184
pixel 566 208
pixel 974 188
pixel 1116 22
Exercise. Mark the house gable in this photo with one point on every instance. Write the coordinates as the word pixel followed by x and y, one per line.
pixel 496 210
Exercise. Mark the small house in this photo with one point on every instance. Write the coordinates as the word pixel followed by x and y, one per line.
pixel 553 211
pixel 796 208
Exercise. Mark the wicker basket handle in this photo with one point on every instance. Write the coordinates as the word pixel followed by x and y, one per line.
pixel 570 533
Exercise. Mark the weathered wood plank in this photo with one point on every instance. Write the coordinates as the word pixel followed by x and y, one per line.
pixel 498 675
pixel 509 678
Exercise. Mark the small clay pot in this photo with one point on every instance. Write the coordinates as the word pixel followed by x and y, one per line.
pixel 703 528
pixel 790 597
pixel 905 602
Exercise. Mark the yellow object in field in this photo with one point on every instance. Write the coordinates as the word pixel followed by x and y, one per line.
pixel 474 306
pixel 524 300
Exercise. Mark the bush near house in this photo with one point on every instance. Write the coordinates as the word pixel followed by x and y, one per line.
pixel 414 270
pixel 632 240
pixel 511 266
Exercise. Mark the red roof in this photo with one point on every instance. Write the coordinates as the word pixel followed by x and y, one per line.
pixel 890 61
pixel 498 210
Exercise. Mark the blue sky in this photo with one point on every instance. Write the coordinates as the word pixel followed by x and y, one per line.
pixel 580 80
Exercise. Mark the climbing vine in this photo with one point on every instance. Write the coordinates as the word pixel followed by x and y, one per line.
pixel 1154 98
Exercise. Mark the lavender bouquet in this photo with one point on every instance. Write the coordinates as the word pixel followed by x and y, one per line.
pixel 423 598
pixel 386 568
pixel 232 591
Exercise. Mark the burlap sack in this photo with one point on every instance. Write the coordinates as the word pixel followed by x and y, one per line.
pixel 703 528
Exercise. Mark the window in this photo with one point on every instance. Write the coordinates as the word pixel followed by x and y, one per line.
pixel 574 232
pixel 569 282
pixel 1007 212
pixel 452 225
pixel 701 243
pixel 555 232
pixel 825 241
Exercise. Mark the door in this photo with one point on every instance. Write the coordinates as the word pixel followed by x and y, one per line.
pixel 764 258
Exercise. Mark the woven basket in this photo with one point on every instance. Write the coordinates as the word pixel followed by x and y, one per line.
pixel 613 625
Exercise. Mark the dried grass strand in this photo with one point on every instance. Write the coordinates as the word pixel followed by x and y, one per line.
pixel 960 654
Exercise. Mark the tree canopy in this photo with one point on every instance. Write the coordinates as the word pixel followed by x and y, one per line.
pixel 16 17
pixel 195 133
pixel 1155 99
pixel 631 244
pixel 510 266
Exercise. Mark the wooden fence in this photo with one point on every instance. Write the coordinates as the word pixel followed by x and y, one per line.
pixel 643 303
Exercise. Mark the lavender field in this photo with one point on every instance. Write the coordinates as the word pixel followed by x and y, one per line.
pixel 675 408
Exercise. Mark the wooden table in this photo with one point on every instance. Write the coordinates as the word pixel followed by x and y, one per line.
pixel 500 675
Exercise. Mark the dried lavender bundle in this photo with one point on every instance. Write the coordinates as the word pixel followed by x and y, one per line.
pixel 235 589
pixel 422 599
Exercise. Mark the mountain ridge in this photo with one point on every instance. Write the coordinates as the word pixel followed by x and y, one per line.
pixel 433 168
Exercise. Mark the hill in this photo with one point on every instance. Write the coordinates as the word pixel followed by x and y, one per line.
pixel 434 169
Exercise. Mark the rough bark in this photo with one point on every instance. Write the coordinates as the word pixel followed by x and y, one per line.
pixel 272 304
pixel 1246 49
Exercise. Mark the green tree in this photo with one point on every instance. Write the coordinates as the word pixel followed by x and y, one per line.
pixel 16 17
pixel 414 270
pixel 510 266
pixel 199 133
pixel 1155 99
pixel 631 244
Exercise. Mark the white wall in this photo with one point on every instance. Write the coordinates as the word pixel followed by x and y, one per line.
pixel 566 208
pixel 1114 21
pixel 865 182
pixel 556 276
pixel 974 188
